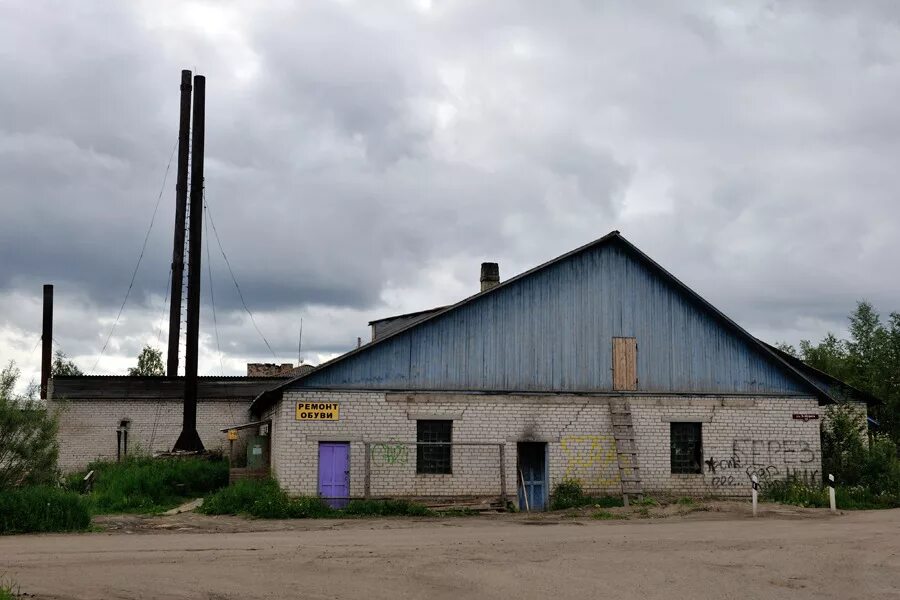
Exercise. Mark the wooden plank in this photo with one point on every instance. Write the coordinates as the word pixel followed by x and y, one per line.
pixel 631 363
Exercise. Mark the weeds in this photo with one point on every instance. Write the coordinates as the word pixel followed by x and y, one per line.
pixel 33 509
pixel 385 508
pixel 266 500
pixel 9 589
pixel 262 499
pixel 605 515
pixel 685 501
pixel 799 493
pixel 645 501
pixel 148 485
pixel 570 494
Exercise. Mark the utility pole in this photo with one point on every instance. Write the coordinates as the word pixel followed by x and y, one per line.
pixel 47 340
pixel 181 191
pixel 189 440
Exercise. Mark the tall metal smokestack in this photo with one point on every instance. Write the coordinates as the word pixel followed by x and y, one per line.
pixel 181 192
pixel 189 439
pixel 47 340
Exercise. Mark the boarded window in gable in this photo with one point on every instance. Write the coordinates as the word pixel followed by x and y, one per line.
pixel 625 363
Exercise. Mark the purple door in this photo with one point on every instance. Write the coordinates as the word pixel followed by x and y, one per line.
pixel 334 473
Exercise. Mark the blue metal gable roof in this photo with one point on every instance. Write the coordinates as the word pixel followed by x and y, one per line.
pixel 550 329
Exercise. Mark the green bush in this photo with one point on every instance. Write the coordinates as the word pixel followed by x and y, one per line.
pixel 799 493
pixel 263 499
pixel 28 447
pixel 867 475
pixel 31 509
pixel 569 494
pixel 143 484
pixel 266 500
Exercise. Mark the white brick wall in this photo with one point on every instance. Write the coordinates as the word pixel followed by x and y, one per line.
pixel 740 435
pixel 87 428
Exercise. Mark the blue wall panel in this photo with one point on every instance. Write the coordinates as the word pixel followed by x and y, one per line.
pixel 553 330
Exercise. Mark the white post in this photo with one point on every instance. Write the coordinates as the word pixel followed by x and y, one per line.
pixel 754 481
pixel 831 497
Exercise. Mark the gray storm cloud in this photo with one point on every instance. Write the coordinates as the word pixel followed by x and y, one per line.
pixel 362 160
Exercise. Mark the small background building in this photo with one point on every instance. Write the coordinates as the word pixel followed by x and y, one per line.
pixel 107 417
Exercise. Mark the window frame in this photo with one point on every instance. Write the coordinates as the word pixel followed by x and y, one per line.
pixel 434 456
pixel 684 466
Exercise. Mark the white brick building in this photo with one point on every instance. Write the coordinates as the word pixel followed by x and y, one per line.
pixel 583 368
pixel 106 417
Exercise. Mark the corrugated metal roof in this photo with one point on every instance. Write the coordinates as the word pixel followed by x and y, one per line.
pixel 548 329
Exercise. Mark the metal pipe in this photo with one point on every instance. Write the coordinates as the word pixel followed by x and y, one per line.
pixel 47 340
pixel 181 192
pixel 189 440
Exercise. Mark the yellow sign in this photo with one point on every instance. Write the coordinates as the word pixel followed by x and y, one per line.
pixel 232 434
pixel 318 411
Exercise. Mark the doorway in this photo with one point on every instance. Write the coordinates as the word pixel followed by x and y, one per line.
pixel 334 473
pixel 532 475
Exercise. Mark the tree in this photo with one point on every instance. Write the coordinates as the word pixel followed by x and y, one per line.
pixel 787 349
pixel 149 362
pixel 869 360
pixel 866 348
pixel 63 366
pixel 829 355
pixel 28 447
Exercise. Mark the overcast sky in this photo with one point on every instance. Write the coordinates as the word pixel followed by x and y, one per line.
pixel 363 158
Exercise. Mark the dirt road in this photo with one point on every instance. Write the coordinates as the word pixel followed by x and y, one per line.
pixel 856 555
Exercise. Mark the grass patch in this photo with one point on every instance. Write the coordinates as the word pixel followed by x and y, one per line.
pixel 264 499
pixel 9 589
pixel 570 494
pixel 41 509
pixel 645 501
pixel 643 512
pixel 150 485
pixel 385 508
pixel 605 515
pixel 799 493
pixel 685 501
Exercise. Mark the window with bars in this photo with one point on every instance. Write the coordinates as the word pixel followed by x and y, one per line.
pixel 687 447
pixel 434 454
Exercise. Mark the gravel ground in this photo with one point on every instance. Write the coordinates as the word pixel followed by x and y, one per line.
pixel 711 551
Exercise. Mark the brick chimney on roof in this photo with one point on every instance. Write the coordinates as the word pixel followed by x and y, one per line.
pixel 490 275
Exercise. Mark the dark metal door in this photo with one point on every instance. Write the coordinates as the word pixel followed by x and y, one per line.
pixel 532 476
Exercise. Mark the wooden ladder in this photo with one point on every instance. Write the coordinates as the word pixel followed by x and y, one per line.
pixel 626 450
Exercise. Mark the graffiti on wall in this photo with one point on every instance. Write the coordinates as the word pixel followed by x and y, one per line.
pixel 767 459
pixel 390 453
pixel 590 459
